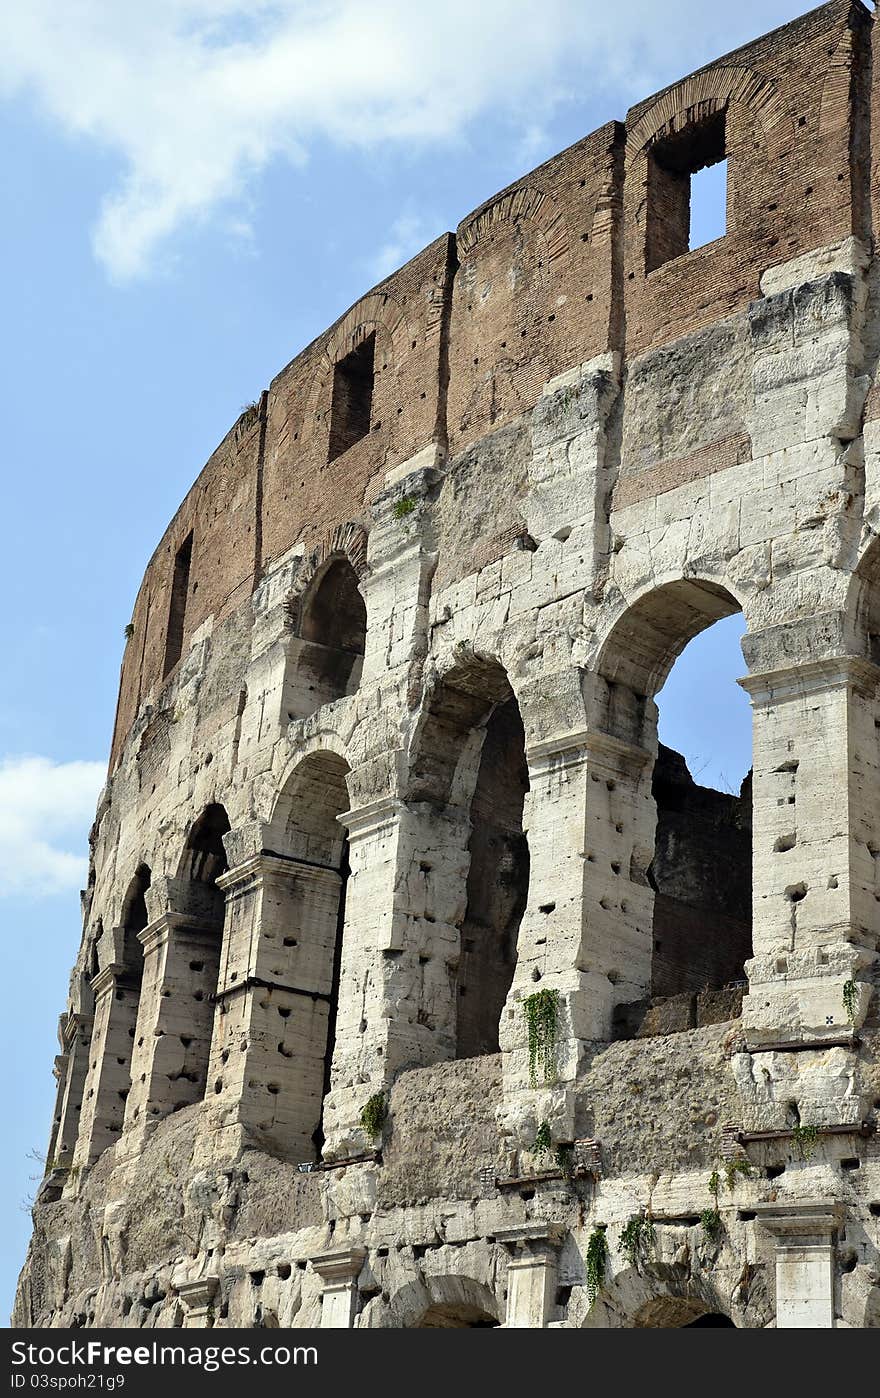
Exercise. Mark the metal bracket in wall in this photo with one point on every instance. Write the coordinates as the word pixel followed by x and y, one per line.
pixel 856 1128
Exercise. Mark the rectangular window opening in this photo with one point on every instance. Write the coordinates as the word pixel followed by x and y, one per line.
pixel 352 403
pixel 177 607
pixel 687 191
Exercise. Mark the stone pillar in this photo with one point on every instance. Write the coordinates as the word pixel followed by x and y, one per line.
pixel 339 1272
pixel 274 1000
pixel 404 904
pixel 74 1032
pixel 109 1074
pixel 197 1296
pixel 587 930
pixel 805 1235
pixel 59 1073
pixel 175 1019
pixel 816 834
pixel 531 1274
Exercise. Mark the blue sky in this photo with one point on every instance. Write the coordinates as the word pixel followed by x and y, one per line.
pixel 193 190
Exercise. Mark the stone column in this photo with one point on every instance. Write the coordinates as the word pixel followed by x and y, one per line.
pixel 109 1075
pixel 404 903
pixel 531 1274
pixel 587 930
pixel 197 1296
pixel 816 834
pixel 74 1032
pixel 339 1272
pixel 805 1235
pixel 274 1000
pixel 175 1019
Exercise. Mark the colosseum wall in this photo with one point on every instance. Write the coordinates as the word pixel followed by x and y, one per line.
pixel 418 985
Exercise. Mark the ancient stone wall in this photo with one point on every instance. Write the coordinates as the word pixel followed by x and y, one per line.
pixel 409 975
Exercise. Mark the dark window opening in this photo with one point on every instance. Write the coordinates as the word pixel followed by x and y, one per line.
pixel 687 191
pixel 333 630
pixel 352 401
pixel 177 608
pixel 498 883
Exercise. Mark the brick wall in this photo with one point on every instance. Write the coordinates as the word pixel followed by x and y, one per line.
pixel 563 265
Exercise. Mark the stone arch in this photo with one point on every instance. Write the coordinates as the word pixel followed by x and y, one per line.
pixel 328 619
pixel 691 856
pixel 662 1296
pixel 468 771
pixel 644 642
pixel 304 930
pixel 176 1015
pixel 447 1302
pixel 862 605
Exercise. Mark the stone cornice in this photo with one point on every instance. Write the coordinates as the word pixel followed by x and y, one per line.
pixel 582 744
pixel 158 931
pixel 811 677
pixel 795 1220
pixel 365 820
pixel 339 1267
pixel 266 866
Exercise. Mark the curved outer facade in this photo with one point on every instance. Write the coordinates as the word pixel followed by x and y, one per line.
pixel 378 875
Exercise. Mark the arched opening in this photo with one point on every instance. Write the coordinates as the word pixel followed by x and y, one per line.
pixel 277 1002
pixel 326 663
pixel 679 1313
pixel 188 1012
pixel 448 1301
pixel 471 768
pixel 310 807
pixel 127 994
pixel 456 1317
pixel 116 978
pixel 664 1296
pixel 676 654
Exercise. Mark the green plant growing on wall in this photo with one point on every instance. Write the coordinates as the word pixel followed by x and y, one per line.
pixel 710 1222
pixel 849 1000
pixel 543 1140
pixel 373 1115
pixel 565 1160
pixel 542 1012
pixel 805 1139
pixel 737 1166
pixel 129 631
pixel 596 1261
pixel 637 1239
pixel 403 507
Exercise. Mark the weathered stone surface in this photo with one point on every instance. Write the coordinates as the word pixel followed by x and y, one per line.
pixel 406 964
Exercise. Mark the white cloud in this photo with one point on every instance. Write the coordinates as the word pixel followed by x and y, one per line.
pixel 196 96
pixel 46 809
pixel 407 235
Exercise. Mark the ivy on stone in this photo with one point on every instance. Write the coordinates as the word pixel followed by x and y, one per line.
pixel 806 1139
pixel 596 1261
pixel 637 1239
pixel 542 1013
pixel 373 1115
pixel 849 1000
